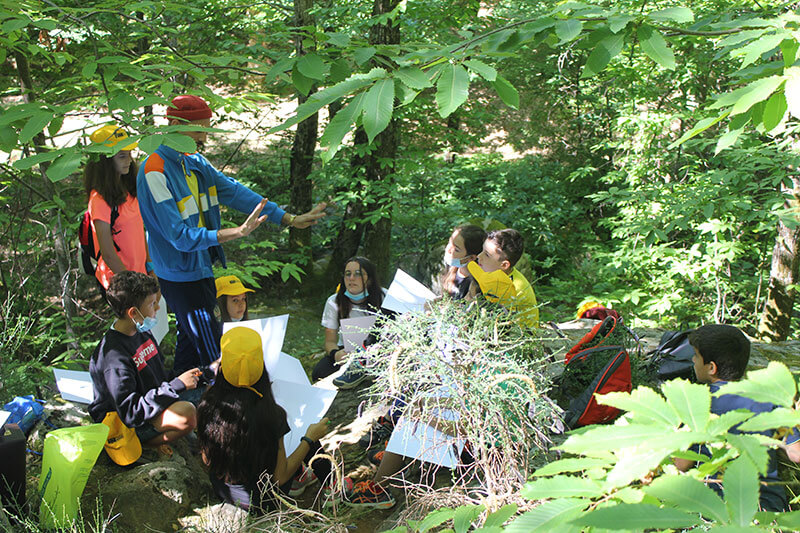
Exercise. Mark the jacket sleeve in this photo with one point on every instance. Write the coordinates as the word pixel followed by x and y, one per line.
pixel 160 212
pixel 235 195
pixel 133 407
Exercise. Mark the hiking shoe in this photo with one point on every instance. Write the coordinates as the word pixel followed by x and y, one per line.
pixel 331 496
pixel 369 494
pixel 375 456
pixel 380 431
pixel 352 377
pixel 303 479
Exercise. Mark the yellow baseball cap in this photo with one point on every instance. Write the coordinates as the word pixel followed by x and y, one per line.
pixel 122 444
pixel 110 135
pixel 230 286
pixel 496 286
pixel 242 361
pixel 585 307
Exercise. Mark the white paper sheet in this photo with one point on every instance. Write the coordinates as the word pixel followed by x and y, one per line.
pixel 406 294
pixel 355 330
pixel 304 405
pixel 3 417
pixel 272 331
pixel 162 327
pixel 288 369
pixel 425 443
pixel 74 385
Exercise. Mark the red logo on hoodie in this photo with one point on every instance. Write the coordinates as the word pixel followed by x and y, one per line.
pixel 143 354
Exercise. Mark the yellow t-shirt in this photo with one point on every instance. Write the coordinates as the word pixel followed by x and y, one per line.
pixel 525 300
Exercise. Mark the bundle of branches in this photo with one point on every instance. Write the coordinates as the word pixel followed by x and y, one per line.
pixel 470 371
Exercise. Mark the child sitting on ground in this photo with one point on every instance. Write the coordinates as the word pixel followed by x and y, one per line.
pixel 128 371
pixel 232 299
pixel 502 249
pixel 721 354
pixel 241 431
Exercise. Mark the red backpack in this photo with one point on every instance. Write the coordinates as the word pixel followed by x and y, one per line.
pixel 598 364
pixel 87 252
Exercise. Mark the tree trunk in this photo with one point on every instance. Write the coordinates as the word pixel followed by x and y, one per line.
pixel 351 229
pixel 60 242
pixel 777 315
pixel 378 167
pixel 381 161
pixel 305 141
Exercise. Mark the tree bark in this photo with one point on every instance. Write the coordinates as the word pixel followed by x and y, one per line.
pixel 378 166
pixel 303 146
pixel 351 229
pixel 777 315
pixel 60 242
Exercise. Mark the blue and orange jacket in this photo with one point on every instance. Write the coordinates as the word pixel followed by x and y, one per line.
pixel 179 249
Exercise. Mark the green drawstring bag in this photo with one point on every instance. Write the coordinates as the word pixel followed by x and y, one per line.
pixel 69 455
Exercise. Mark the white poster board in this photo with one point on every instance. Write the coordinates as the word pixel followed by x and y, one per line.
pixel 3 417
pixel 355 331
pixel 74 385
pixel 272 331
pixel 406 294
pixel 420 441
pixel 162 326
pixel 304 405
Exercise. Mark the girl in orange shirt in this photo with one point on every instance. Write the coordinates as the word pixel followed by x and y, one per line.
pixel 111 181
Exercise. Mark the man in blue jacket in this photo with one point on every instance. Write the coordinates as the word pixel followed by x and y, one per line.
pixel 179 197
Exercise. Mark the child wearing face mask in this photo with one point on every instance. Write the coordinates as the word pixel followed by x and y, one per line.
pixel 232 299
pixel 465 243
pixel 359 294
pixel 128 373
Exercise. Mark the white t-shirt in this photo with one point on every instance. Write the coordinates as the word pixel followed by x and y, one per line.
pixel 330 315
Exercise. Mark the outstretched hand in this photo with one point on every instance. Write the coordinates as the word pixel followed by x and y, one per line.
pixel 253 220
pixel 309 219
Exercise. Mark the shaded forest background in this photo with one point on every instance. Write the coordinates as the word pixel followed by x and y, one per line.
pixel 647 152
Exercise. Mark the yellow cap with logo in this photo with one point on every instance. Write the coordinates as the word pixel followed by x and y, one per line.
pixel 110 135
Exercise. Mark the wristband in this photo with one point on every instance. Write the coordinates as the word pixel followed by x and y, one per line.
pixel 291 220
pixel 307 440
pixel 148 266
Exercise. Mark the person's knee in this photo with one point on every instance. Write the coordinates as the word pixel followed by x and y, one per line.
pixel 180 416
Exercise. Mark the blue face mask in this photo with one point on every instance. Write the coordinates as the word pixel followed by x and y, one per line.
pixel 451 261
pixel 355 298
pixel 147 324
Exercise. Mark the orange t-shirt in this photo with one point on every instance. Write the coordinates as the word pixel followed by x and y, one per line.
pixel 128 234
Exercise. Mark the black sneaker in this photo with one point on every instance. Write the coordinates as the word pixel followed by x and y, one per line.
pixel 380 431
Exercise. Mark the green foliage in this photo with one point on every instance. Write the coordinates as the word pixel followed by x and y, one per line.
pixel 621 477
pixel 475 362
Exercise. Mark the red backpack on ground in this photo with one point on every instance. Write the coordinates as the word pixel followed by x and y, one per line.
pixel 598 364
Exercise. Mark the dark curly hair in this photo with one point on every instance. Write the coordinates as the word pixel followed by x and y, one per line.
pixel 237 431
pixel 129 289
pixel 510 243
pixel 373 286
pixel 99 175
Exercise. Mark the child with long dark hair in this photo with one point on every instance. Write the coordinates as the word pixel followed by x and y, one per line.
pixel 465 243
pixel 110 184
pixel 241 428
pixel 232 299
pixel 359 294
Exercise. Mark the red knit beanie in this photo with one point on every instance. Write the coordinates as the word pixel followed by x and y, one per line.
pixel 189 107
